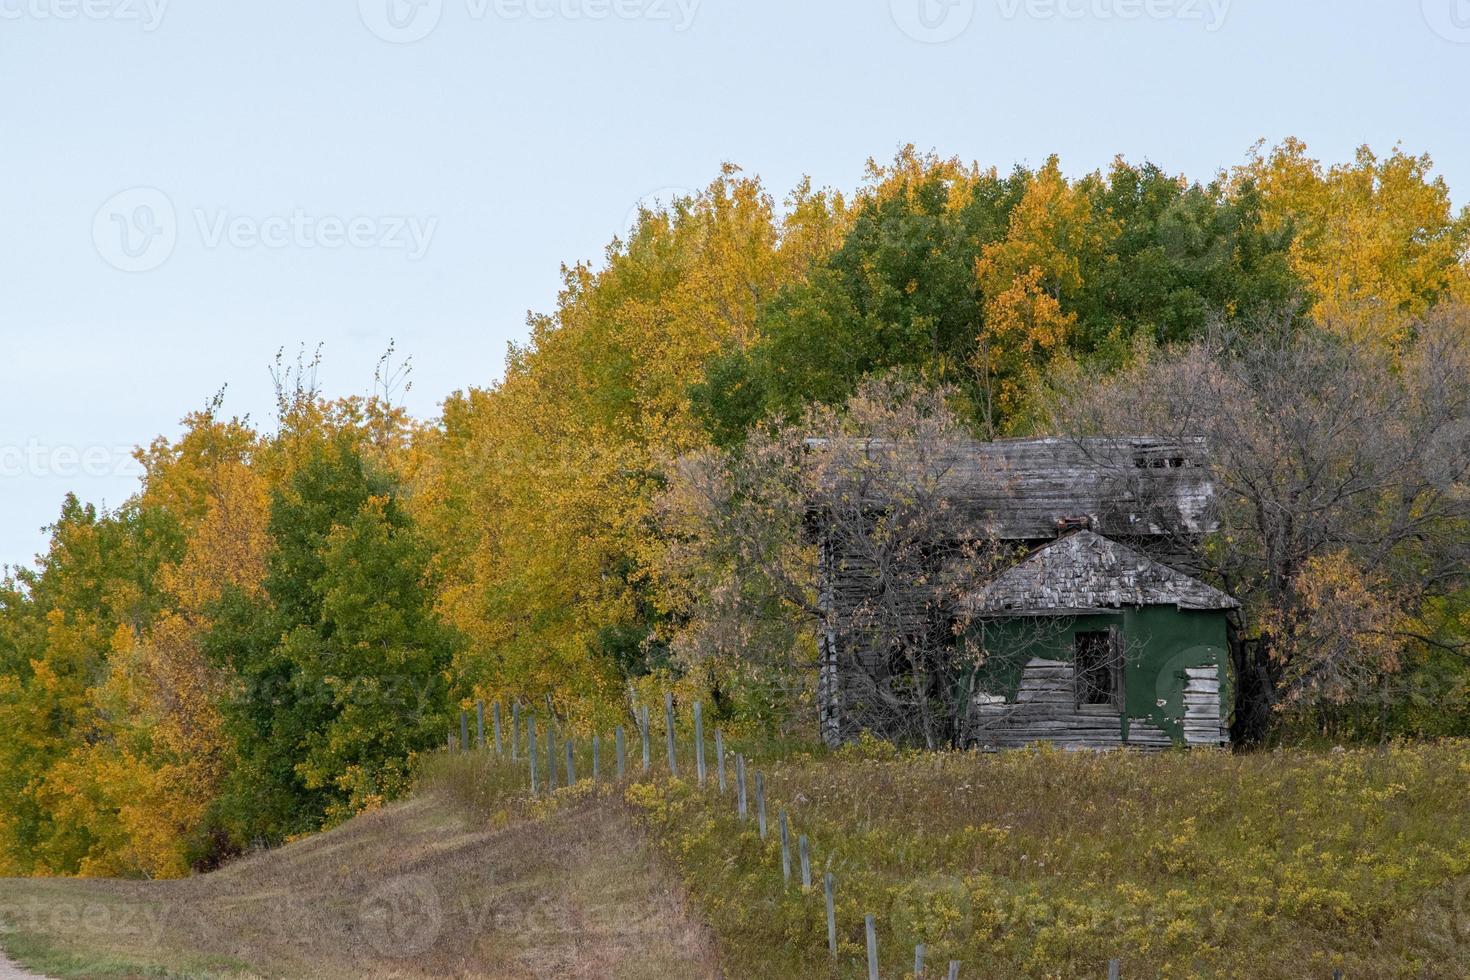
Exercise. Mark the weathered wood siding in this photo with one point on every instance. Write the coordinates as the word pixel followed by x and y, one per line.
pixel 1147 493
pixel 1045 710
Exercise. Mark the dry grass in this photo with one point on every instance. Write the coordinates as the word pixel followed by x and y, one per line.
pixel 1047 864
pixel 428 887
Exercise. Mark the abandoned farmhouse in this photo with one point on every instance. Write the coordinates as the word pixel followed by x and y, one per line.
pixel 1085 627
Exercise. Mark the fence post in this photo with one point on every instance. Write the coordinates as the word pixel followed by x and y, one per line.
pixel 480 724
pixel 618 739
pixel 720 757
pixel 740 785
pixel 596 757
pixel 827 886
pixel 644 719
pixel 760 802
pixel 669 725
pixel 531 750
pixel 515 729
pixel 918 960
pixel 872 947
pixel 550 758
pixel 1115 969
pixel 571 764
pixel 464 731
pixel 806 863
pixel 785 850
pixel 495 717
pixel 699 742
pixel 954 970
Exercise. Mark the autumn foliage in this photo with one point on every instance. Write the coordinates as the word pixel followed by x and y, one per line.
pixel 260 641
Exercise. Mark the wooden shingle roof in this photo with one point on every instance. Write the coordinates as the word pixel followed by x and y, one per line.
pixel 1019 489
pixel 1088 573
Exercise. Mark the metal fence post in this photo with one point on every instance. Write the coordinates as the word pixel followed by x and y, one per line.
pixel 699 742
pixel 828 887
pixel 515 730
pixel 720 757
pixel 644 719
pixel 785 850
pixel 760 802
pixel 872 947
pixel 669 726
pixel 740 784
pixel 531 750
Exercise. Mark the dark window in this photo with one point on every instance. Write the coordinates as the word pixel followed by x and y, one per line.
pixel 1099 668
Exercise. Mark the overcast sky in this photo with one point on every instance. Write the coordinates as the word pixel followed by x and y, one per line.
pixel 190 185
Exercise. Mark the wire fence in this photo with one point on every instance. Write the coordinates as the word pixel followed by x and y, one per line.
pixel 547 770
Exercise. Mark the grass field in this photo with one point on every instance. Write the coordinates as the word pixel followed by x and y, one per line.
pixel 435 886
pixel 1048 864
pixel 1029 864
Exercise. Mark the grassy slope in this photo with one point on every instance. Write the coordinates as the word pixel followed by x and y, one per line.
pixel 434 886
pixel 1034 864
pixel 1046 864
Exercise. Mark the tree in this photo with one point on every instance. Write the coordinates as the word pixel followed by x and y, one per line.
pixel 1377 241
pixel 339 662
pixel 858 496
pixel 1340 473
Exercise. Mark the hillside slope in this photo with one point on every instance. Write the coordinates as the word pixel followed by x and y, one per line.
pixel 421 888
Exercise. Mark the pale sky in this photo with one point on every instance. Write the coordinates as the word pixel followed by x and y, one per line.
pixel 190 185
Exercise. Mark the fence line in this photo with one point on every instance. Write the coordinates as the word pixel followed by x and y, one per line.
pixel 743 775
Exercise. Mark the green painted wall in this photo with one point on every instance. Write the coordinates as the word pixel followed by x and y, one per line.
pixel 1160 643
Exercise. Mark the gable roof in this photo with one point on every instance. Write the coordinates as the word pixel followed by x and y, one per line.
pixel 1019 489
pixel 1088 573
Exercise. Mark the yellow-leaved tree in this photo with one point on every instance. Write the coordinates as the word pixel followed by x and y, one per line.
pixel 1026 279
pixel 1377 241
pixel 537 491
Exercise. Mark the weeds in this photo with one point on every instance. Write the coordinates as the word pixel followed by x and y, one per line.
pixel 1048 864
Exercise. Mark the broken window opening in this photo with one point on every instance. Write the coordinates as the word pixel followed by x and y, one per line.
pixel 1098 668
